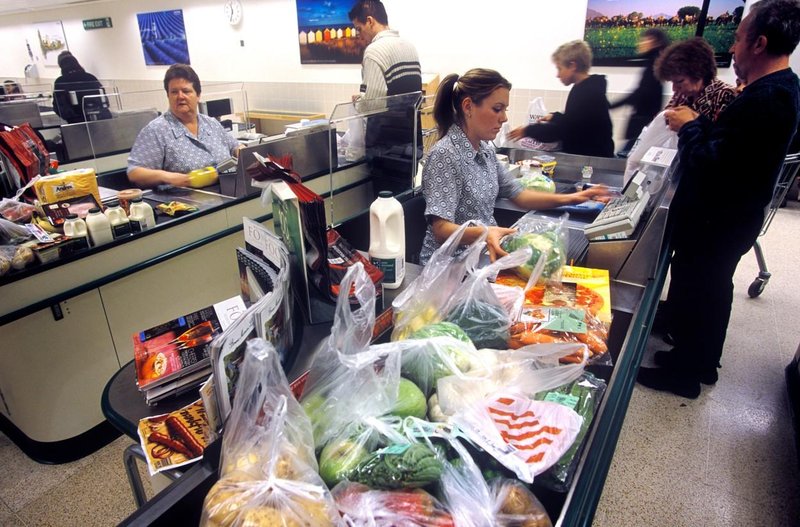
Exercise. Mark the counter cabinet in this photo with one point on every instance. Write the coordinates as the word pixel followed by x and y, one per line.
pixel 633 306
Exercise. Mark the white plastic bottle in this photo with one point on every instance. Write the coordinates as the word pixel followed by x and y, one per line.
pixel 120 224
pixel 75 227
pixel 142 217
pixel 99 227
pixel 387 239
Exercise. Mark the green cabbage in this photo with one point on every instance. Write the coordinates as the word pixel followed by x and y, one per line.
pixel 547 243
pixel 538 182
pixel 426 372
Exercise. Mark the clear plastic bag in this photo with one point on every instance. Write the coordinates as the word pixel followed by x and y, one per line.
pixel 436 351
pixel 16 211
pixel 422 302
pixel 14 257
pixel 516 505
pixel 12 233
pixel 268 472
pixel 657 133
pixel 361 506
pixel 346 378
pixel 476 309
pixel 582 395
pixel 545 236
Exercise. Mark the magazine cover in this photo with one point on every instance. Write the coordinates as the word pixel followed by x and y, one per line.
pixel 182 345
pixel 174 439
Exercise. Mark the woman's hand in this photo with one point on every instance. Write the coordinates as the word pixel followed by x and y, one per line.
pixel 679 116
pixel 598 193
pixel 176 179
pixel 493 241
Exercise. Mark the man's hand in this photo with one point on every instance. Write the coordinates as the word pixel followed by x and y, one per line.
pixel 493 241
pixel 679 116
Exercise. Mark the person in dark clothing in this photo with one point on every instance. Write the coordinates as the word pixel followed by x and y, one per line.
pixel 72 87
pixel 585 126
pixel 647 98
pixel 714 224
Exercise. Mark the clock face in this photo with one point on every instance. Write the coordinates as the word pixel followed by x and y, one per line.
pixel 233 11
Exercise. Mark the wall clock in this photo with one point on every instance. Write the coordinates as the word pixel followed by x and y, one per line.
pixel 233 12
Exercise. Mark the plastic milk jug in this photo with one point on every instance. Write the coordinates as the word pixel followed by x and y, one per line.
pixel 120 224
pixel 75 227
pixel 142 217
pixel 387 239
pixel 99 227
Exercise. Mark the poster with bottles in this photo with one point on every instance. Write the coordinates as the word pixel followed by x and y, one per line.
pixel 325 33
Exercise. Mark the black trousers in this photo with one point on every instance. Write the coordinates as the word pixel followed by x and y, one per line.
pixel 701 289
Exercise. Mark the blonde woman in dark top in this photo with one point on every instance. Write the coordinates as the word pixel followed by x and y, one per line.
pixel 691 68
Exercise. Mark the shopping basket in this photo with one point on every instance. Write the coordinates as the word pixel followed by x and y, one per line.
pixel 788 173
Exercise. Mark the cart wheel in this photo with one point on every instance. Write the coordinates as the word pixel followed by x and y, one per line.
pixel 757 287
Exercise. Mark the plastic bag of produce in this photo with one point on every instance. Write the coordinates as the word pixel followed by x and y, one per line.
pixel 528 370
pixel 538 182
pixel 525 435
pixel 442 349
pixel 14 210
pixel 582 395
pixel 423 301
pixel 550 324
pixel 12 233
pixel 474 502
pixel 475 307
pixel 346 378
pixel 545 236
pixel 361 506
pixel 268 472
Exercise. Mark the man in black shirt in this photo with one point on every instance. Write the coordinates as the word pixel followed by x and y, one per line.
pixel 728 171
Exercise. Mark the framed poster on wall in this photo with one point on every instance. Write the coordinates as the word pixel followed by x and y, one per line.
pixel 163 36
pixel 325 33
pixel 612 28
pixel 52 41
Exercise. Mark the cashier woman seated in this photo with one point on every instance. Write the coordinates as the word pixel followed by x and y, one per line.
pixel 181 139
pixel 462 177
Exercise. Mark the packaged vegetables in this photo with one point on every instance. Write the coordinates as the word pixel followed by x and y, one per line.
pixel 546 237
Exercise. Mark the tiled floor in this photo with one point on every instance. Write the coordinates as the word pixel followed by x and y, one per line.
pixel 727 458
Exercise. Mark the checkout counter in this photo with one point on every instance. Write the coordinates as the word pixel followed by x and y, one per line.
pixel 634 294
pixel 67 324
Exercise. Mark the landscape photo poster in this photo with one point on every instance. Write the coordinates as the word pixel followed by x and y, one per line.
pixel 613 27
pixel 325 33
pixel 163 36
pixel 52 41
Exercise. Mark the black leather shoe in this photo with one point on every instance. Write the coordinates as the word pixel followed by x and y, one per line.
pixel 671 360
pixel 662 379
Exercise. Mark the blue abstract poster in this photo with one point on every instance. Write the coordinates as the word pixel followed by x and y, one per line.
pixel 163 36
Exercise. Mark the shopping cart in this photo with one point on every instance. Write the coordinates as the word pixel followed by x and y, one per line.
pixel 788 173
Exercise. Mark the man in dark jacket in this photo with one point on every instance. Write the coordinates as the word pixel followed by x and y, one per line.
pixel 728 172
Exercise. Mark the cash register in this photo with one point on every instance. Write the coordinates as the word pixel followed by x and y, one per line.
pixel 619 217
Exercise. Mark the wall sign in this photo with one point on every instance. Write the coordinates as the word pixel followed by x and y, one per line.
pixel 97 23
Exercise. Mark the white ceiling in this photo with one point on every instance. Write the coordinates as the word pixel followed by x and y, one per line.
pixel 8 7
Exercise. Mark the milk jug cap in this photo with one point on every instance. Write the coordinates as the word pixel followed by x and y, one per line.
pixel 73 216
pixel 114 203
pixel 385 194
pixel 94 210
pixel 136 200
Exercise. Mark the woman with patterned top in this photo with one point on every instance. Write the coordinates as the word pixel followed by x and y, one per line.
pixel 462 177
pixel 180 140
pixel 690 66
